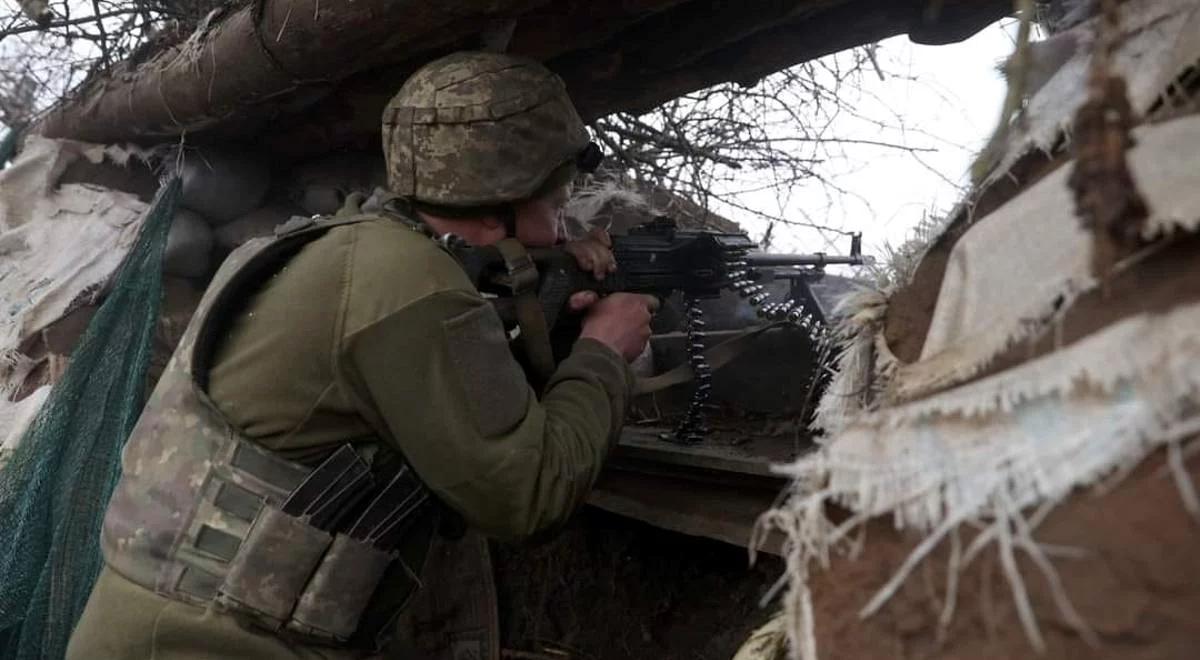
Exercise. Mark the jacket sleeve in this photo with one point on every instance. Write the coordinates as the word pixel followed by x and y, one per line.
pixel 452 398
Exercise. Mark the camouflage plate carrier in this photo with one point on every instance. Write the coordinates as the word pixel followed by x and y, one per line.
pixel 203 515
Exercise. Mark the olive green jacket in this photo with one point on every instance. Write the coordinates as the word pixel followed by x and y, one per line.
pixel 370 333
pixel 374 331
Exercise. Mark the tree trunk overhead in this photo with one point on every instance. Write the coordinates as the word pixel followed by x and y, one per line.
pixel 293 64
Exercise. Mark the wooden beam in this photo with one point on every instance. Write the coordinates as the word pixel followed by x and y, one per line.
pixel 748 461
pixel 608 79
pixel 716 511
pixel 310 81
pixel 569 25
pixel 687 33
pixel 673 51
pixel 349 118
pixel 260 59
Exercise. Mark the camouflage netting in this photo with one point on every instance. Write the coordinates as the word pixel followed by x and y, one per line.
pixel 54 490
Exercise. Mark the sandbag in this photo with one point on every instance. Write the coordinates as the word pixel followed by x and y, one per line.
pixel 189 245
pixel 320 186
pixel 259 222
pixel 179 300
pixel 223 185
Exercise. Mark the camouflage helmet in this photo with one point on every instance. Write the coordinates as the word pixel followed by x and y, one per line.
pixel 479 129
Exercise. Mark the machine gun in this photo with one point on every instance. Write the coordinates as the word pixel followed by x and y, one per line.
pixel 659 259
pixel 656 258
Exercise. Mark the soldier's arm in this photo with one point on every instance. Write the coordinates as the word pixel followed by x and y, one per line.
pixel 456 403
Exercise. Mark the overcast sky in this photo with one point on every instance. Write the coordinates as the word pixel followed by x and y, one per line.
pixel 949 109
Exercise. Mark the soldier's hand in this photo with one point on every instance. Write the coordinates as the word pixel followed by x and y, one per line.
pixel 593 253
pixel 581 300
pixel 621 321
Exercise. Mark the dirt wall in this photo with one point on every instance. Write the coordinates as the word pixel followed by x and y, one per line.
pixel 1136 581
pixel 608 588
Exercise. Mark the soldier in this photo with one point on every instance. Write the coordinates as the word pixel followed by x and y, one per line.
pixel 344 392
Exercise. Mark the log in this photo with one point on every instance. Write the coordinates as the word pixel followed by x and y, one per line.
pixel 316 76
pixel 574 24
pixel 631 71
pixel 677 38
pixel 350 117
pixel 606 80
pixel 258 60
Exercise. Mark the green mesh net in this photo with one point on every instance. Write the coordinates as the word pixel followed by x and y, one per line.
pixel 55 487
pixel 8 146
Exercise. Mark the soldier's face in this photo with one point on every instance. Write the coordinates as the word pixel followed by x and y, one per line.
pixel 538 220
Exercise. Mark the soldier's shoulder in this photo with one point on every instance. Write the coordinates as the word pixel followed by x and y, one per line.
pixel 388 253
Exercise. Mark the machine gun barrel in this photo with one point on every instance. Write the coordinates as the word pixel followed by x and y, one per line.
pixel 818 260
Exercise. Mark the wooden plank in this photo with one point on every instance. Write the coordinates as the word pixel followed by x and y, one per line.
pixel 720 512
pixel 641 448
pixel 716 490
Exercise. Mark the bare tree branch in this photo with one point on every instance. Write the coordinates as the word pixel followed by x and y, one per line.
pixel 730 143
pixel 78 40
pixel 65 23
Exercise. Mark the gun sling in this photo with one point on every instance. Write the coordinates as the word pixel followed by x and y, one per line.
pixel 531 319
pixel 717 356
